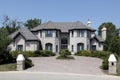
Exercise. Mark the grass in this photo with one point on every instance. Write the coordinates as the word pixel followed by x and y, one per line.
pixel 8 67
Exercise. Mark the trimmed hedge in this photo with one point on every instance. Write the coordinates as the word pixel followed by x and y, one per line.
pixel 99 54
pixel 39 53
pixel 65 54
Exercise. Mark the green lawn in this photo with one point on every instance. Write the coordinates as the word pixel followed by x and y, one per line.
pixel 8 67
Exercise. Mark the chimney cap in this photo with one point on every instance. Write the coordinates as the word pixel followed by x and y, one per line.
pixel 89 21
pixel 104 28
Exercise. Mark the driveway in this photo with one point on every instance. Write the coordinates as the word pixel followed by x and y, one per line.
pixel 81 65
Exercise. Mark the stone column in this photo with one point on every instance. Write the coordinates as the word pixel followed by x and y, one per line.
pixel 20 62
pixel 112 64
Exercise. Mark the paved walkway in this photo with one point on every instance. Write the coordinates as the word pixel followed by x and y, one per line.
pixel 81 65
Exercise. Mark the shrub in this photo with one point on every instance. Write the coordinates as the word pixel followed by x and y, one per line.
pixel 5 57
pixel 105 64
pixel 29 53
pixel 37 53
pixel 46 53
pixel 14 54
pixel 65 54
pixel 98 54
pixel 42 53
pixel 28 63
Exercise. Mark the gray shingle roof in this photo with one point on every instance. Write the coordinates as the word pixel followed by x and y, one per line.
pixel 26 33
pixel 100 39
pixel 63 26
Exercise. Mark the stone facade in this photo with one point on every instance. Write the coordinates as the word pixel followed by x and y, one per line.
pixel 54 37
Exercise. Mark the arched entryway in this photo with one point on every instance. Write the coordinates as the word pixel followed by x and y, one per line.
pixel 49 47
pixel 80 46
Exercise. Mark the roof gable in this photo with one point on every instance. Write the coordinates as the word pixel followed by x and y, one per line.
pixel 26 33
pixel 98 38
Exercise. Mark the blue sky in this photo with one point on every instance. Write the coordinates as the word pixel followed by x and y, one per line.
pixel 98 11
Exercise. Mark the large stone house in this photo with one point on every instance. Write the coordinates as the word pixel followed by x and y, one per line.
pixel 74 36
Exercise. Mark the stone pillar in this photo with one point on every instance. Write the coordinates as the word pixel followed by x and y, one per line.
pixel 112 64
pixel 20 62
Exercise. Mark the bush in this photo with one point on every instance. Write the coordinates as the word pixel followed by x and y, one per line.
pixel 98 54
pixel 29 53
pixel 28 63
pixel 46 53
pixel 38 53
pixel 65 54
pixel 14 54
pixel 105 64
pixel 5 57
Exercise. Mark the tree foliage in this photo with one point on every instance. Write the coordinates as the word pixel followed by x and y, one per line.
pixel 11 25
pixel 112 42
pixel 5 57
pixel 31 23
pixel 4 39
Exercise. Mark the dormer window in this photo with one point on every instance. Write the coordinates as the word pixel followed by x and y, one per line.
pixel 48 33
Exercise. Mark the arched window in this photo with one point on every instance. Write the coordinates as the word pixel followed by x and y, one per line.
pixel 48 46
pixel 80 46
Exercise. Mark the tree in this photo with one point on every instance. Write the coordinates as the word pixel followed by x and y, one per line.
pixel 5 57
pixel 31 23
pixel 4 39
pixel 11 25
pixel 111 35
pixel 115 45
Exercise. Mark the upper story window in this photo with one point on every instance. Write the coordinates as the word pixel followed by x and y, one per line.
pixel 72 33
pixel 56 33
pixel 40 33
pixel 88 34
pixel 80 33
pixel 48 33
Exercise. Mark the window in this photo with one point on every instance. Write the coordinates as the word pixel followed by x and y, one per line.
pixel 48 46
pixel 94 47
pixel 56 33
pixel 48 33
pixel 40 33
pixel 88 34
pixel 80 46
pixel 80 33
pixel 72 33
pixel 72 48
pixel 19 47
pixel 56 48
